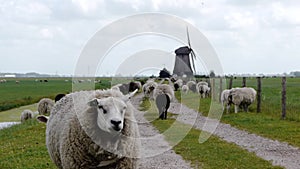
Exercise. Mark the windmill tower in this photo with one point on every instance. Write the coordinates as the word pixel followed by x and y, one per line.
pixel 183 61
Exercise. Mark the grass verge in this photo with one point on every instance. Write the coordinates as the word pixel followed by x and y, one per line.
pixel 262 123
pixel 23 147
pixel 213 154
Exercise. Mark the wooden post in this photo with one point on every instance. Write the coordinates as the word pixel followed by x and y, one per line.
pixel 221 89
pixel 212 89
pixel 283 98
pixel 244 82
pixel 258 109
pixel 230 83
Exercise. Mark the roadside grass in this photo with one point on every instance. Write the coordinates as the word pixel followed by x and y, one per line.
pixel 212 154
pixel 15 114
pixel 268 123
pixel 29 91
pixel 23 146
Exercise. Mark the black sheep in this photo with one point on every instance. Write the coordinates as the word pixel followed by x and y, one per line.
pixel 162 104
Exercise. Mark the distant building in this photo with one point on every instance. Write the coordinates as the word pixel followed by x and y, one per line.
pixel 9 75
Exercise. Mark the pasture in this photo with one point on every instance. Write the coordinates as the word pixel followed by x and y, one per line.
pixel 31 90
pixel 268 122
pixel 23 146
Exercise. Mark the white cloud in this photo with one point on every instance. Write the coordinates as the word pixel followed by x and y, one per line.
pixel 239 30
pixel 46 33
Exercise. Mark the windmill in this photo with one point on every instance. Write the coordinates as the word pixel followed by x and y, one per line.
pixel 184 64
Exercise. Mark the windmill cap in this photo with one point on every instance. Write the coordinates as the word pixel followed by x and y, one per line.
pixel 185 50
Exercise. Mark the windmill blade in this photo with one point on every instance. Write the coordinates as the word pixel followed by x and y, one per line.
pixel 188 37
pixel 193 62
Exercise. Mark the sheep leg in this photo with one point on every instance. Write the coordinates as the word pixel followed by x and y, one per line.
pixel 227 108
pixel 166 113
pixel 236 108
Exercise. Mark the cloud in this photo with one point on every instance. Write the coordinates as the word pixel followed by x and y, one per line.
pixel 240 31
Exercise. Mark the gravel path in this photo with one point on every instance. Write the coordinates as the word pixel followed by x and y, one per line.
pixel 278 153
pixel 156 152
pixel 7 124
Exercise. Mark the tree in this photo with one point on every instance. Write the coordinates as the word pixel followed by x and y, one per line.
pixel 212 74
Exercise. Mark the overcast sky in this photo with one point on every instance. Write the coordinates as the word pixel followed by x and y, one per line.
pixel 254 36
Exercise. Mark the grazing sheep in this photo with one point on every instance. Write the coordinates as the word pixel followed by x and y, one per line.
pixel 203 89
pixel 134 85
pixel 58 97
pixel 192 86
pixel 148 89
pixel 178 84
pixel 45 105
pixel 185 89
pixel 25 115
pixel 93 129
pixel 225 100
pixel 124 88
pixel 242 98
pixel 163 94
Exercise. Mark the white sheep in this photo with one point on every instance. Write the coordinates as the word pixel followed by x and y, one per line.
pixel 192 86
pixel 93 130
pixel 178 84
pixel 242 98
pixel 25 115
pixel 116 87
pixel 185 89
pixel 163 94
pixel 148 89
pixel 45 105
pixel 225 99
pixel 203 89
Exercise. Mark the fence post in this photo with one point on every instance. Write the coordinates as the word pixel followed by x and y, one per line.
pixel 221 89
pixel 230 83
pixel 283 98
pixel 258 109
pixel 244 82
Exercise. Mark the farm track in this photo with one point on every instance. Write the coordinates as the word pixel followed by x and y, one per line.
pixel 279 153
pixel 156 152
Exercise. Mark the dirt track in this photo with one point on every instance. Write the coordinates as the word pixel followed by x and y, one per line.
pixel 277 152
pixel 156 152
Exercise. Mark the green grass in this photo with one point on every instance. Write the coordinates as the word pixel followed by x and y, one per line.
pixel 23 147
pixel 14 114
pixel 28 91
pixel 212 154
pixel 268 123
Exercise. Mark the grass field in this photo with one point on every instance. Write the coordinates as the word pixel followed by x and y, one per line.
pixel 22 144
pixel 213 154
pixel 268 123
pixel 29 91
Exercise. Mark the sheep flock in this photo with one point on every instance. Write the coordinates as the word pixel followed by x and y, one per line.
pixel 104 119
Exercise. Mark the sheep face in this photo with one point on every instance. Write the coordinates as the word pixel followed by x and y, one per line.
pixel 110 113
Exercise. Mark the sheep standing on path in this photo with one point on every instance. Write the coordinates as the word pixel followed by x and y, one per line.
pixel 242 98
pixel 25 115
pixel 163 94
pixel 45 105
pixel 93 130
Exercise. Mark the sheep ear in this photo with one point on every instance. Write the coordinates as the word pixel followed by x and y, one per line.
pixel 43 119
pixel 128 96
pixel 93 103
